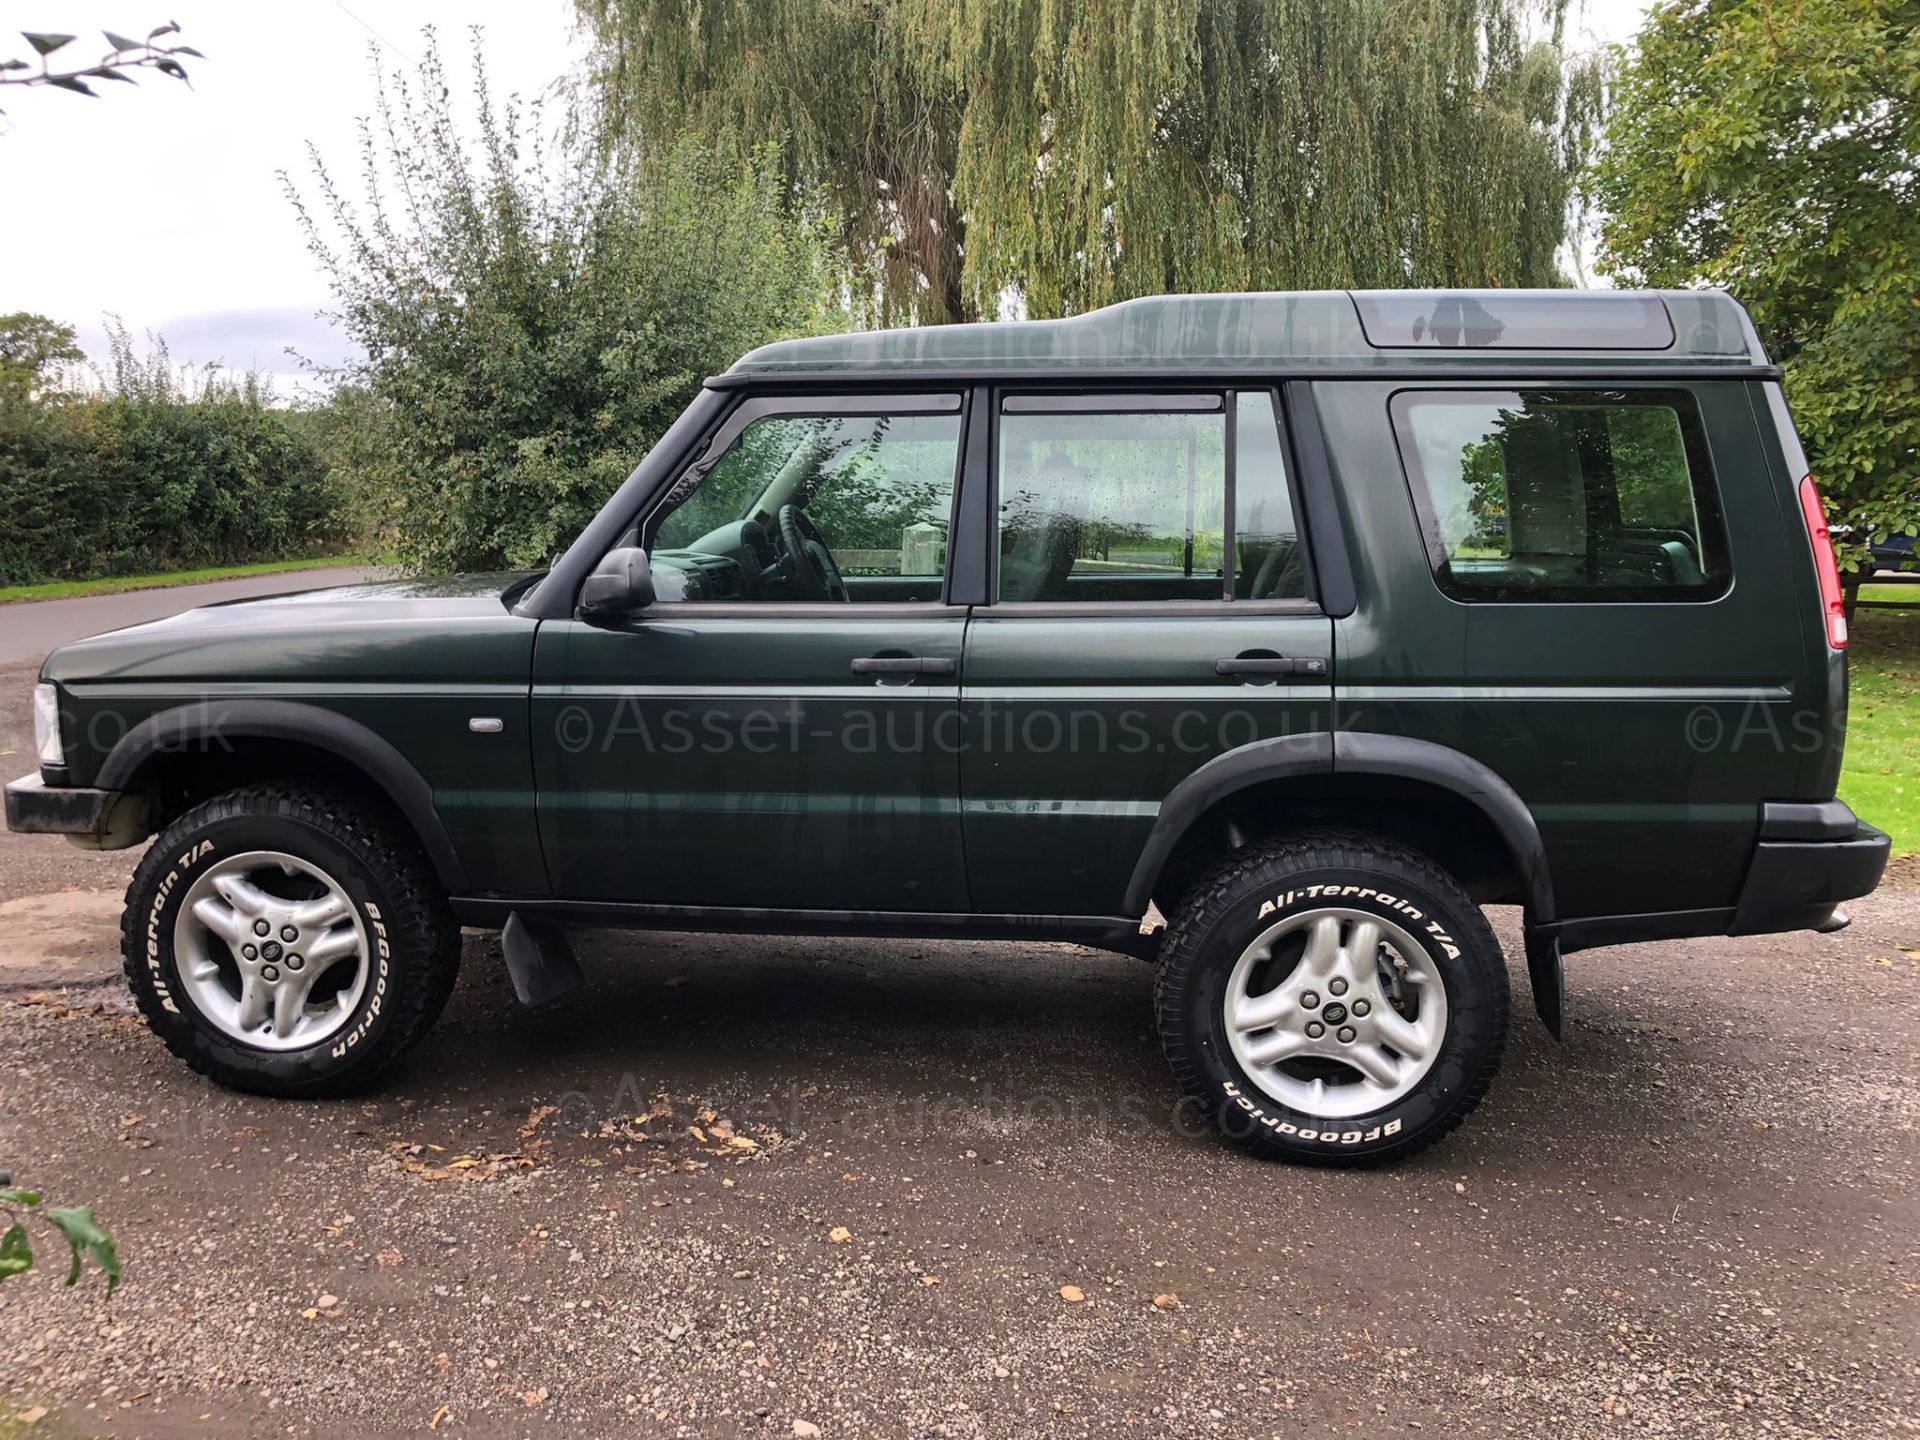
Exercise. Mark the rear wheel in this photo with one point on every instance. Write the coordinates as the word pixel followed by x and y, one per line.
pixel 1332 997
pixel 288 941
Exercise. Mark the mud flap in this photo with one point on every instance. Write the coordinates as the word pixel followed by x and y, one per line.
pixel 540 959
pixel 1548 975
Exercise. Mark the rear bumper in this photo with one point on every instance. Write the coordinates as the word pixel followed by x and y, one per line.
pixel 1807 859
pixel 96 819
pixel 1793 884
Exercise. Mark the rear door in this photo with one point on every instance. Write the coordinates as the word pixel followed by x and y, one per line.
pixel 1141 544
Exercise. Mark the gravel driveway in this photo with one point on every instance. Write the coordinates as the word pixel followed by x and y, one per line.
pixel 749 1187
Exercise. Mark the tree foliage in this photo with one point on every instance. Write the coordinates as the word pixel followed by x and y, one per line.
pixel 1775 150
pixel 534 316
pixel 1080 154
pixel 123 55
pixel 33 350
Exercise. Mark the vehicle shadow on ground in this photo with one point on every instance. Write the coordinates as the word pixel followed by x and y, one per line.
pixel 910 1039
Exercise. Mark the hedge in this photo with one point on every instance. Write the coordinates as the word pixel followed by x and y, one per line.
pixel 119 485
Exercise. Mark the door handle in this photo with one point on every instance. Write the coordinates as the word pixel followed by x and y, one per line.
pixel 904 665
pixel 1312 666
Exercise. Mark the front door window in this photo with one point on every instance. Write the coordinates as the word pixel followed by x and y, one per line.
pixel 815 506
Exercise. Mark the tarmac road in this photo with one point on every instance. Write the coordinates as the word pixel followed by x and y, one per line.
pixel 1696 1217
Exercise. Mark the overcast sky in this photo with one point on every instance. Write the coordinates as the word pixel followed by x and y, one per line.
pixel 160 204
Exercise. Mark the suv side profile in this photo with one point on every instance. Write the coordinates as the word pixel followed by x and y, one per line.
pixel 1267 637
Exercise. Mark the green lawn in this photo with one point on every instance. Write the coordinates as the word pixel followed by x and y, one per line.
pixel 1900 592
pixel 1881 778
pixel 65 589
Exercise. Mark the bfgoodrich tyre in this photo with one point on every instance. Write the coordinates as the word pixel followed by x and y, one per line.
pixel 288 941
pixel 1333 998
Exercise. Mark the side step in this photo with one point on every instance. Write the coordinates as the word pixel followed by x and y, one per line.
pixel 540 959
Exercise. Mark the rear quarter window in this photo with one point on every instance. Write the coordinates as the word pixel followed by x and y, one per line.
pixel 1564 494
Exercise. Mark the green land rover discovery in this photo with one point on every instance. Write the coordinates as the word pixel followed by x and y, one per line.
pixel 1265 637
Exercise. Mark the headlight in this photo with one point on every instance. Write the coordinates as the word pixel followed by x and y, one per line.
pixel 46 725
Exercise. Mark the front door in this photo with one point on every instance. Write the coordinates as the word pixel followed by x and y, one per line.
pixel 781 725
pixel 1151 609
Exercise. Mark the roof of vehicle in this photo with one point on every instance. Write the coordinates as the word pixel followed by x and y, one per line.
pixel 1357 328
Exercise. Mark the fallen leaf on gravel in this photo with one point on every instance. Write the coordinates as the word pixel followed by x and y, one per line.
pixel 1072 1294
pixel 1166 1302
pixel 929 1279
pixel 387 1259
pixel 466 1167
pixel 443 1362
pixel 699 1135
pixel 743 1142
pixel 840 1235
pixel 530 1398
pixel 535 1118
pixel 442 1413
pixel 309 1314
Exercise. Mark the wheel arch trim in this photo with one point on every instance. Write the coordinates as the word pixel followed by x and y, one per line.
pixel 1347 753
pixel 208 724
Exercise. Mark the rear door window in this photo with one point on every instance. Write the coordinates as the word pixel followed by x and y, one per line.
pixel 1583 495
pixel 1145 498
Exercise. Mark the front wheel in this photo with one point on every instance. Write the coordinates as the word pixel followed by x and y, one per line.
pixel 287 941
pixel 1332 998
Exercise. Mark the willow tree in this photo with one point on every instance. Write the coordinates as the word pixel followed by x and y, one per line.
pixel 1082 153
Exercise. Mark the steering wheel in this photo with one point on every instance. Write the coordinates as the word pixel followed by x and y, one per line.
pixel 810 563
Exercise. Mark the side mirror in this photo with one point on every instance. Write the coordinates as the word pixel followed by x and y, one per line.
pixel 620 585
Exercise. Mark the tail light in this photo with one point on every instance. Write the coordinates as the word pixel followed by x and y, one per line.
pixel 1833 604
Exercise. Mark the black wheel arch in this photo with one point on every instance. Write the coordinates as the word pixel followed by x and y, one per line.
pixel 208 728
pixel 1328 764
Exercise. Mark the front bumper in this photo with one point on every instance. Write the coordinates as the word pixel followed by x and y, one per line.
pixel 94 819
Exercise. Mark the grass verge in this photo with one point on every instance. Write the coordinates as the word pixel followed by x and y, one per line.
pixel 1881 776
pixel 67 589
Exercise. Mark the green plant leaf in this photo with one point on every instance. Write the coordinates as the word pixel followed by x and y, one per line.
pixel 67 82
pixel 87 1240
pixel 121 42
pixel 20 1197
pixel 44 44
pixel 16 1255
